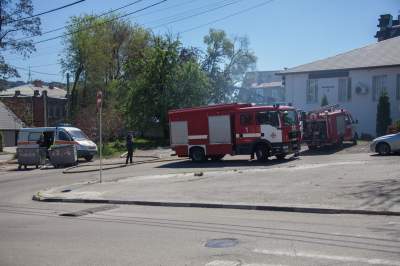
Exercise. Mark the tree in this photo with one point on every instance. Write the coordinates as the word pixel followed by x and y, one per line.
pixel 324 101
pixel 226 62
pixel 166 78
pixel 13 30
pixel 95 51
pixel 383 118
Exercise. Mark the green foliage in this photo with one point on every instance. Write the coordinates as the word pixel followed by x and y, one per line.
pixel 1 142
pixel 397 125
pixel 12 31
pixel 164 80
pixel 324 101
pixel 143 75
pixel 383 119
pixel 226 62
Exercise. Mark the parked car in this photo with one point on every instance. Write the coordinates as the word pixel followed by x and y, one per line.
pixel 386 144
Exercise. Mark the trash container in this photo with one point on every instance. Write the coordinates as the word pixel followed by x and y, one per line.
pixel 31 156
pixel 63 155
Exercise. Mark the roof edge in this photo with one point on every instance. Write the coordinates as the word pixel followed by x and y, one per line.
pixel 334 69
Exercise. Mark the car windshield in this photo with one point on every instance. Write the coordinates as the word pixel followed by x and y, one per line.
pixel 289 117
pixel 77 134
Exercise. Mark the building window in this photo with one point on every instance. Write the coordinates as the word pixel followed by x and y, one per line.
pixel 398 87
pixel 344 90
pixel 312 91
pixel 378 86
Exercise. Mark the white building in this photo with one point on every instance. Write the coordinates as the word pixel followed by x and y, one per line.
pixel 354 80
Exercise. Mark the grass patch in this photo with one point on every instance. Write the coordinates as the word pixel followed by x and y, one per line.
pixel 117 147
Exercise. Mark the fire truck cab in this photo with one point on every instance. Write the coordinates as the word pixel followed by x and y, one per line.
pixel 214 131
pixel 329 126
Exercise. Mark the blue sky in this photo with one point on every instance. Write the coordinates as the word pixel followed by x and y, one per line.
pixel 282 33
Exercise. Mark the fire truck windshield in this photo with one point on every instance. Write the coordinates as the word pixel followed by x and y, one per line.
pixel 289 117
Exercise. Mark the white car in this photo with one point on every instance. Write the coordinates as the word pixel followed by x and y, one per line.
pixel 386 144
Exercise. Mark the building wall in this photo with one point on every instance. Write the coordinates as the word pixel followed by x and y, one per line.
pixel 32 112
pixel 9 138
pixel 362 106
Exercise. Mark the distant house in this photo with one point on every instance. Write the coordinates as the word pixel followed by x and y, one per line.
pixel 262 87
pixel 36 104
pixel 9 126
pixel 353 79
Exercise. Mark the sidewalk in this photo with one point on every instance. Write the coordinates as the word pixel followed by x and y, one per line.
pixel 7 154
pixel 357 182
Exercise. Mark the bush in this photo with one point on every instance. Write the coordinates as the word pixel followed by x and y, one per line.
pixel 324 101
pixel 383 119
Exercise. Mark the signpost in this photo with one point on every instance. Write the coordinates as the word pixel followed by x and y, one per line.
pixel 99 103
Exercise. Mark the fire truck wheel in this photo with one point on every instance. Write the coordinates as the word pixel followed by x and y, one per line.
pixel 262 152
pixel 197 154
pixel 383 148
pixel 312 147
pixel 280 156
pixel 217 157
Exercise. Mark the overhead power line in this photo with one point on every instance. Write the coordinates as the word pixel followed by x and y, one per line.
pixel 48 11
pixel 37 72
pixel 197 14
pixel 228 16
pixel 104 22
pixel 64 27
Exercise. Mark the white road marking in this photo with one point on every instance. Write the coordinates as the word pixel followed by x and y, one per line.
pixel 327 257
pixel 223 263
pixel 236 263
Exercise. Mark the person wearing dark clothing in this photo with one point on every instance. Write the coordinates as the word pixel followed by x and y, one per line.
pixel 129 147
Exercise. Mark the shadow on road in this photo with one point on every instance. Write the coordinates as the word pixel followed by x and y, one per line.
pixel 225 163
pixel 326 150
pixel 378 194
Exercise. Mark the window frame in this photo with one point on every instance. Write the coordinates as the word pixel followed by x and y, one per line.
pixel 312 91
pixel 344 92
pixel 66 133
pixel 377 91
pixel 277 120
pixel 249 122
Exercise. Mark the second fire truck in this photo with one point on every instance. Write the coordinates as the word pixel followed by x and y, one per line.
pixel 214 131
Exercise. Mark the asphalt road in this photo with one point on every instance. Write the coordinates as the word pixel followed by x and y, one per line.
pixel 34 233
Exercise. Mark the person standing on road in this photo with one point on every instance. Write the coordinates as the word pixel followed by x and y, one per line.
pixel 129 147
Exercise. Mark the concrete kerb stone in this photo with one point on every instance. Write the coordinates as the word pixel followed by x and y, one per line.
pixel 38 197
pixel 70 170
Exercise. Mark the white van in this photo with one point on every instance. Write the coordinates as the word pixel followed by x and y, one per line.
pixel 29 137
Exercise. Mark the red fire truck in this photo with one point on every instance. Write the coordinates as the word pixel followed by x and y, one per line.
pixel 330 125
pixel 214 131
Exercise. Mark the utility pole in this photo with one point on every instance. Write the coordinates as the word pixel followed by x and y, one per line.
pixel 68 100
pixel 99 108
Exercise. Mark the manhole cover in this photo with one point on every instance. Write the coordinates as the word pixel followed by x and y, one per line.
pixel 222 243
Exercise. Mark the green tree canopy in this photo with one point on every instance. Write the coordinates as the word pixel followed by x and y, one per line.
pixel 226 61
pixel 15 31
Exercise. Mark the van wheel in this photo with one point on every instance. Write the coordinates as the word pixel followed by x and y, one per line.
pixel 262 152
pixel 383 149
pixel 197 154
pixel 88 158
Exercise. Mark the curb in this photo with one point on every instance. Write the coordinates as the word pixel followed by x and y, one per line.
pixel 220 206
